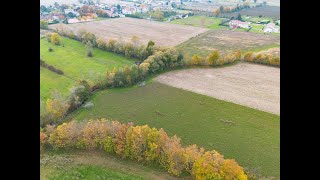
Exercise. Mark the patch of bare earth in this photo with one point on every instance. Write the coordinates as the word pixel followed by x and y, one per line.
pixel 251 85
pixel 164 34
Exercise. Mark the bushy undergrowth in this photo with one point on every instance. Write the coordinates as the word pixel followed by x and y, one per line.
pixel 143 144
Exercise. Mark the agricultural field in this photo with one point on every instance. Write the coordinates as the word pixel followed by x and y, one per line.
pixel 207 6
pixel 200 21
pixel 266 11
pixel 95 164
pixel 124 28
pixel 227 41
pixel 224 83
pixel 250 136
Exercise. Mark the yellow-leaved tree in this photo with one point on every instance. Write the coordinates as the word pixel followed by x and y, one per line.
pixel 55 38
pixel 213 57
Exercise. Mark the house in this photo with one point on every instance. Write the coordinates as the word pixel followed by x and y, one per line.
pixel 236 23
pixel 75 13
pixel 271 27
pixel 129 10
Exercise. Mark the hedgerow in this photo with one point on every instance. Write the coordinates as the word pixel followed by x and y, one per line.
pixel 262 58
pixel 144 144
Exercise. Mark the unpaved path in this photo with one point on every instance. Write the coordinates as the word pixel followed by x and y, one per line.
pixel 251 85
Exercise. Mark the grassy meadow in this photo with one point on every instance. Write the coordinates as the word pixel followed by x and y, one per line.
pixel 92 165
pixel 72 60
pixel 250 136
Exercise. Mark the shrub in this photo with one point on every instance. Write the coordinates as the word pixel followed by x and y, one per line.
pixel 79 94
pixel 88 37
pixel 89 49
pixel 56 108
pixel 231 170
pixel 248 57
pixel 55 39
pixel 208 166
pixel 213 58
pixel 48 36
pixel 275 61
pixel 50 49
pixel 196 60
pixel 49 129
pixel 65 135
pixel 43 24
pixel 43 138
pixel 93 134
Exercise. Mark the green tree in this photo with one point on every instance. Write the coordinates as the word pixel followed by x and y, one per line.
pixel 221 8
pixel 43 8
pixel 213 57
pixel 43 24
pixel 55 38
pixel 239 17
pixel 89 49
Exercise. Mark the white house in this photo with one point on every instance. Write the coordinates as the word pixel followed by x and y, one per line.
pixel 271 27
pixel 240 24
pixel 73 20
pixel 66 11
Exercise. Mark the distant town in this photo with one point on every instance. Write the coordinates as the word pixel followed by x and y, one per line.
pixel 163 10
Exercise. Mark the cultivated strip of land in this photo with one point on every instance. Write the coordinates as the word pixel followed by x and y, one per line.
pixel 164 34
pixel 252 85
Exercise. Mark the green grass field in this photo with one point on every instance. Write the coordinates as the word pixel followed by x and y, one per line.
pixel 91 165
pixel 200 21
pixel 92 172
pixel 253 137
pixel 51 83
pixel 73 61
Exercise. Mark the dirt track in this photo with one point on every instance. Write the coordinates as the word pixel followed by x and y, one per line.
pixel 251 85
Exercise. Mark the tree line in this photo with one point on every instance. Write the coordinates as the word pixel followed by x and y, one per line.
pixel 142 144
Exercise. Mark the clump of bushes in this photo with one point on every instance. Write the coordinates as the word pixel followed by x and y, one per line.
pixel 161 60
pixel 79 94
pixel 144 144
pixel 55 38
pixel 214 59
pixel 43 24
pixel 262 58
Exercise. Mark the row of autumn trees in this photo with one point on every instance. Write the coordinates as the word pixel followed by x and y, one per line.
pixel 142 144
pixel 262 58
pixel 215 59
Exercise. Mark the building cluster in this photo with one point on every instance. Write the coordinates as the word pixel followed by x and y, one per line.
pixel 75 13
